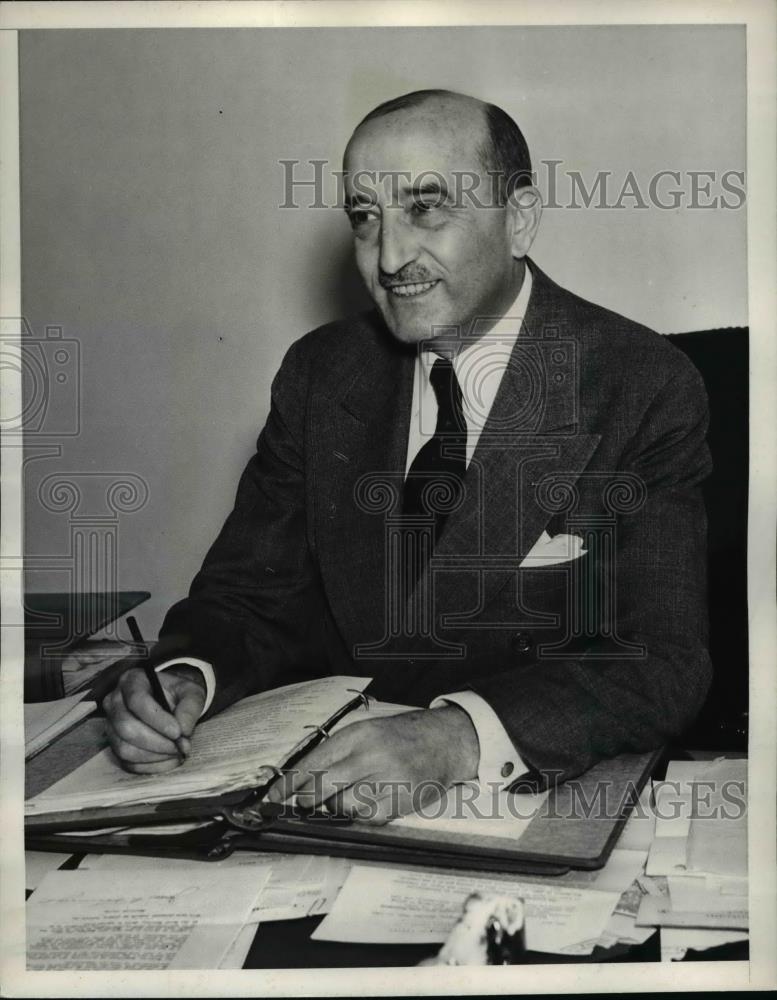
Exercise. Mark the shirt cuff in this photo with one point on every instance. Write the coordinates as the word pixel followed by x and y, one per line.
pixel 500 763
pixel 205 669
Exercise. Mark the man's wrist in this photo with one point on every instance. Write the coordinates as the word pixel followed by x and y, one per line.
pixel 190 673
pixel 461 741
pixel 500 762
pixel 204 673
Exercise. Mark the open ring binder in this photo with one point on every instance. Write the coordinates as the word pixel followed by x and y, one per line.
pixel 238 817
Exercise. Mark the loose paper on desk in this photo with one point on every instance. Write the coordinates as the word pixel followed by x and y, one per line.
pixel 621 927
pixel 655 913
pixel 81 920
pixel 717 839
pixel 40 863
pixel 676 941
pixel 396 906
pixel 236 954
pixel 701 822
pixel 298 884
pixel 44 721
pixel 701 901
pixel 230 751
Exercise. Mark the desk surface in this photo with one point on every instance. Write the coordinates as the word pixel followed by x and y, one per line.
pixel 287 944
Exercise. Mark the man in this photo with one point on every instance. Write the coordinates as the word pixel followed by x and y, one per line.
pixel 485 495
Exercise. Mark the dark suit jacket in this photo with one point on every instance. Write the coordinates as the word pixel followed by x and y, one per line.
pixel 598 429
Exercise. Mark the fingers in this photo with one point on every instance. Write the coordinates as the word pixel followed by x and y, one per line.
pixel 187 699
pixel 346 789
pixel 371 802
pixel 139 701
pixel 313 774
pixel 320 772
pixel 134 758
pixel 337 774
pixel 130 729
pixel 315 788
pixel 141 733
pixel 379 801
pixel 364 772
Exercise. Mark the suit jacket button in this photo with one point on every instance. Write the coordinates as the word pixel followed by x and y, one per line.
pixel 507 769
pixel 523 641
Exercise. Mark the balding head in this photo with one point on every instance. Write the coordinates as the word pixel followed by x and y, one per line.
pixel 438 241
pixel 499 143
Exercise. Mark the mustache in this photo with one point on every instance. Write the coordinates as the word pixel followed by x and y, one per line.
pixel 407 276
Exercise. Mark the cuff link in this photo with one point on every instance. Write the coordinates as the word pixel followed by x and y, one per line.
pixel 507 769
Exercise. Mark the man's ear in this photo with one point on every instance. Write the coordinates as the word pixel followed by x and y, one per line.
pixel 524 209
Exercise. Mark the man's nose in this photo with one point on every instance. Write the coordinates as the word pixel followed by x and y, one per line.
pixel 398 244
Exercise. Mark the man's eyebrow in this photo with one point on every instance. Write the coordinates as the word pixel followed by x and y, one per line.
pixel 438 187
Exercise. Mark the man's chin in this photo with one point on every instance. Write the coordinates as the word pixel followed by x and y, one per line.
pixel 410 335
pixel 412 332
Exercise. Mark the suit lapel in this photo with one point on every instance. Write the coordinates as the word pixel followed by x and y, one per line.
pixel 360 438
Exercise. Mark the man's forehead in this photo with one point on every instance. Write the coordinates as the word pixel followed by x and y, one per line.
pixel 442 138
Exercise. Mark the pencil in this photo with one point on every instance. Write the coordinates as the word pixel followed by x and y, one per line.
pixel 132 625
pixel 161 699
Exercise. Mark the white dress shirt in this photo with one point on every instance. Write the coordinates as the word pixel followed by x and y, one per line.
pixel 479 369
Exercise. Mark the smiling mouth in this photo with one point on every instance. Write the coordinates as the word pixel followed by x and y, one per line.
pixel 411 290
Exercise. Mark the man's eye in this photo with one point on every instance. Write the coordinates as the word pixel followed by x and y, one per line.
pixel 424 207
pixel 359 217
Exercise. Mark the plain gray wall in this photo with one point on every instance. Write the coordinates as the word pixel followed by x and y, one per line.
pixel 151 231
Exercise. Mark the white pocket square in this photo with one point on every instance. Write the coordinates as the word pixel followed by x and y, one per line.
pixel 548 551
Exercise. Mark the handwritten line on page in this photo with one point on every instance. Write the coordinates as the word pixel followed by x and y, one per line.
pixel 81 920
pixel 394 906
pixel 229 751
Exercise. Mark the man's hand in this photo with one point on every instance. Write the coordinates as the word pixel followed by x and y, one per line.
pixel 378 769
pixel 141 733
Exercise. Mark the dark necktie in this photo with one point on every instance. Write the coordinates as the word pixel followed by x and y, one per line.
pixel 434 481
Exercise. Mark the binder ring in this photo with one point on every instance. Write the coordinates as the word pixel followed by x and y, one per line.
pixel 323 734
pixel 277 772
pixel 363 698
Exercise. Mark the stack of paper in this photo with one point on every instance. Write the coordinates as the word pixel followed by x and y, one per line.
pixel 44 721
pixel 235 750
pixel 140 919
pixel 700 847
